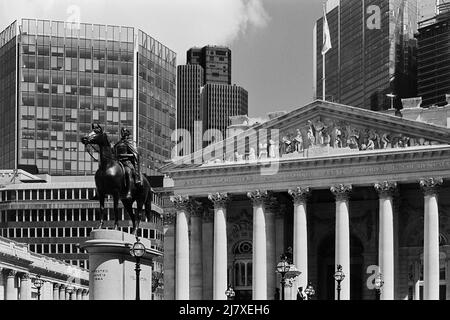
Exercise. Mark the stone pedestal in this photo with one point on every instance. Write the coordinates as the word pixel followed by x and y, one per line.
pixel 112 274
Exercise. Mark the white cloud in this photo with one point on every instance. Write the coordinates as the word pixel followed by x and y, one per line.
pixel 179 24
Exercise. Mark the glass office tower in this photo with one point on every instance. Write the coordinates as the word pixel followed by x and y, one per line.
pixel 68 76
pixel 373 53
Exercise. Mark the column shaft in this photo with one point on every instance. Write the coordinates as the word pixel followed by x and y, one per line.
pixel 301 243
pixel 259 254
pixel 220 254
pixel 431 250
pixel 11 291
pixel 25 287
pixel 55 292
pixel 182 257
pixel 386 248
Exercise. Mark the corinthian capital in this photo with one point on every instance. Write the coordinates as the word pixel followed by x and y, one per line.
pixel 299 194
pixel 180 202
pixel 169 218
pixel 386 188
pixel 219 199
pixel 430 185
pixel 341 191
pixel 258 197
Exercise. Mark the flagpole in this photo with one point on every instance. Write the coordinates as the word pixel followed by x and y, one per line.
pixel 323 78
pixel 324 97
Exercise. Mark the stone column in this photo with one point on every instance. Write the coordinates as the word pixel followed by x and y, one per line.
pixel 62 292
pixel 300 241
pixel 56 291
pixel 169 255
pixel 25 286
pixel 272 208
pixel 182 204
pixel 386 238
pixel 84 295
pixel 11 292
pixel 2 285
pixel 195 258
pixel 431 239
pixel 259 282
pixel 220 261
pixel 342 245
pixel 207 250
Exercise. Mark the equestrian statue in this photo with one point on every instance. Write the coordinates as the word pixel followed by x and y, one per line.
pixel 118 175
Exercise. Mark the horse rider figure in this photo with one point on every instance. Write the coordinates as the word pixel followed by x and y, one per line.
pixel 127 154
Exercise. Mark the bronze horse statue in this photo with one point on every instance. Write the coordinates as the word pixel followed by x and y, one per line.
pixel 110 180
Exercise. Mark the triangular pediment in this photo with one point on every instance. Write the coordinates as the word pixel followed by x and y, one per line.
pixel 319 129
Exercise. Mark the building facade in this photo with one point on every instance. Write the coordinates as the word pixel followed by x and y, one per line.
pixel 433 59
pixel 365 190
pixel 57 78
pixel 373 53
pixel 19 268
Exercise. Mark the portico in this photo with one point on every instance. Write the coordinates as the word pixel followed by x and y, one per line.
pixel 334 201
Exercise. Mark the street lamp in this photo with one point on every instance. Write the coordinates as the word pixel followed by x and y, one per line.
pixel 309 291
pixel 230 293
pixel 38 283
pixel 339 276
pixel 137 251
pixel 282 268
pixel 379 282
pixel 392 97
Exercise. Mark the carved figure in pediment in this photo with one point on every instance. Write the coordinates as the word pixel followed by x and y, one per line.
pixel 337 138
pixel 262 150
pixel 326 135
pixel 353 137
pixel 385 141
pixel 238 157
pixel 287 145
pixel 370 145
pixel 311 133
pixel 272 153
pixel 252 154
pixel 298 141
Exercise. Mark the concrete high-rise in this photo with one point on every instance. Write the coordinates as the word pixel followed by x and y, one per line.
pixel 206 96
pixel 433 58
pixel 215 61
pixel 373 53
pixel 57 78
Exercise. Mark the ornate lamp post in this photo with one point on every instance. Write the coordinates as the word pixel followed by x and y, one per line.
pixel 282 268
pixel 339 276
pixel 38 283
pixel 137 251
pixel 309 291
pixel 230 292
pixel 379 282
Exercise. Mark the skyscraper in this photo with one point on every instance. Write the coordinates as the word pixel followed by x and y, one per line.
pixel 57 78
pixel 205 94
pixel 433 58
pixel 373 52
pixel 215 61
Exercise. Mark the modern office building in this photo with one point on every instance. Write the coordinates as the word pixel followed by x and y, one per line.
pixel 53 215
pixel 433 58
pixel 219 102
pixel 215 61
pixel 57 78
pixel 373 53
pixel 206 96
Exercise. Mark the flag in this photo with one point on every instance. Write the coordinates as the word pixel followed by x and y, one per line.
pixel 326 34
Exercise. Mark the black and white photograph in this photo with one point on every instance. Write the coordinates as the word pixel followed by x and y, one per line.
pixel 230 156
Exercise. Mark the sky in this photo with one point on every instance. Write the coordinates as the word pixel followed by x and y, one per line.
pixel 271 40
